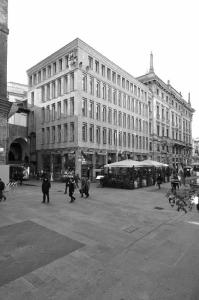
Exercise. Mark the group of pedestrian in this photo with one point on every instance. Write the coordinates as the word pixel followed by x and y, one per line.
pixel 72 183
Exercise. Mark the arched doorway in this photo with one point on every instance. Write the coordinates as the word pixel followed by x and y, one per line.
pixel 18 151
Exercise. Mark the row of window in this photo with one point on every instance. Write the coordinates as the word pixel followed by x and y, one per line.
pixel 94 111
pixel 177 106
pixel 107 92
pixel 111 75
pixel 92 133
pixel 53 68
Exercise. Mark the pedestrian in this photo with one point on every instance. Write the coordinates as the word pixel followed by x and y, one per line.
pixel 77 179
pixel 159 180
pixel 82 189
pixel 45 189
pixel 71 189
pixel 87 187
pixel 2 187
pixel 66 183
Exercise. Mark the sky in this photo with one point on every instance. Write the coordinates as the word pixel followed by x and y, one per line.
pixel 123 31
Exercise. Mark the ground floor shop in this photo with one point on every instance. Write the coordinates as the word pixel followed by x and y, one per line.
pixel 83 161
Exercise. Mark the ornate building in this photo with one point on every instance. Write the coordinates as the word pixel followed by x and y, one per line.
pixel 170 121
pixel 85 111
pixel 4 103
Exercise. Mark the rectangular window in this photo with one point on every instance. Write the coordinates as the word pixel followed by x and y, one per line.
pixel 53 112
pixel 44 74
pixel 98 89
pixel 84 132
pixel 119 118
pixel 65 132
pixel 72 132
pixel 114 77
pixel 47 135
pixel 97 66
pixel 98 135
pixel 39 76
pixel 123 83
pixel 98 112
pixel 54 68
pixel 42 115
pixel 53 134
pixel 66 61
pixel 133 141
pixel 119 99
pixel 124 120
pixel 91 133
pixel 124 101
pixel 114 97
pixel 53 90
pixel 60 64
pixel 91 109
pixel 129 140
pixel 120 138
pixel 42 136
pixel 84 107
pixel 104 92
pixel 118 79
pixel 72 108
pixel 115 138
pixel 110 136
pixel 127 85
pixel 48 113
pixel 65 107
pixel 59 110
pixel 128 122
pixel 104 135
pixel 91 85
pixel 104 113
pixel 59 133
pixel 49 71
pixel 90 62
pixel 84 82
pixel 103 70
pixel 115 117
pixel 108 73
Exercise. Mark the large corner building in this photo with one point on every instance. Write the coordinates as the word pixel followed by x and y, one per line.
pixel 85 111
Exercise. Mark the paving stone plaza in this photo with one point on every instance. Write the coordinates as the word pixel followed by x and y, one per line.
pixel 117 244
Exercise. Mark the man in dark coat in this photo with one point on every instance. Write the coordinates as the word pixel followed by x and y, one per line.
pixel 2 187
pixel 71 189
pixel 45 189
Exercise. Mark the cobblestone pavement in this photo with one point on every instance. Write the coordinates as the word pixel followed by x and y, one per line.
pixel 117 244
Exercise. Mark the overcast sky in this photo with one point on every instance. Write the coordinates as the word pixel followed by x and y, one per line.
pixel 124 31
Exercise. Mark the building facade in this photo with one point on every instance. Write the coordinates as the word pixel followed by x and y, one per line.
pixel 170 121
pixel 18 141
pixel 195 153
pixel 4 104
pixel 85 111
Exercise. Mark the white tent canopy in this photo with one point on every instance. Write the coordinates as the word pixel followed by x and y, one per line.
pixel 154 163
pixel 127 163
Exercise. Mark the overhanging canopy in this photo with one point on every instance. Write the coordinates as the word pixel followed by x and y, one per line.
pixel 154 163
pixel 127 163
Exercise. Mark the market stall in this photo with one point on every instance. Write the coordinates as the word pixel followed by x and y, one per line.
pixel 132 174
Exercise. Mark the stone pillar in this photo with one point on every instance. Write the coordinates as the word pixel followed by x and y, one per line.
pixel 62 163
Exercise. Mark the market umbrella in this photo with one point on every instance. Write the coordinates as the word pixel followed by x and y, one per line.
pixel 154 163
pixel 127 163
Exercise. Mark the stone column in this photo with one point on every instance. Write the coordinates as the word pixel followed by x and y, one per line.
pixel 78 162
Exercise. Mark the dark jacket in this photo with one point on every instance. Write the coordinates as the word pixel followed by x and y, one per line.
pixel 71 187
pixel 46 186
pixel 2 185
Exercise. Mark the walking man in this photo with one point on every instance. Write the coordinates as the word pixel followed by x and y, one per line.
pixel 2 187
pixel 71 189
pixel 45 189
